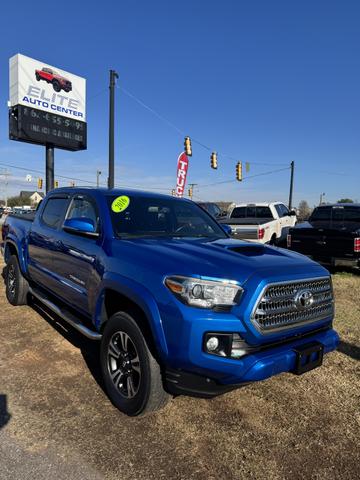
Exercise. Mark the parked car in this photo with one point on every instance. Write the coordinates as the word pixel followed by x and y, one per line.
pixel 179 307
pixel 50 76
pixel 331 236
pixel 212 208
pixel 260 222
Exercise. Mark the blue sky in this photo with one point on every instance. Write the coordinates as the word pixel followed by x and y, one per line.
pixel 262 81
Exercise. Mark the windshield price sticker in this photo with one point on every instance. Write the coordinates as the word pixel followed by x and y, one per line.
pixel 120 204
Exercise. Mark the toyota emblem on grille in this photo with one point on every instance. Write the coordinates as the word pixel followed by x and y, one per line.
pixel 304 299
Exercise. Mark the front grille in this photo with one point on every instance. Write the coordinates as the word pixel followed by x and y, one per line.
pixel 284 305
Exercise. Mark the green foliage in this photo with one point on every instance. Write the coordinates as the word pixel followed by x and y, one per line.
pixel 304 210
pixel 345 200
pixel 18 201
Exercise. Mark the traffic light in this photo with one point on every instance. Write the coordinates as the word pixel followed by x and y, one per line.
pixel 247 167
pixel 56 184
pixel 190 192
pixel 213 160
pixel 40 183
pixel 187 145
pixel 239 171
pixel 173 192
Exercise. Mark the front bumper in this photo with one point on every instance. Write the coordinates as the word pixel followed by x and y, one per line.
pixel 212 375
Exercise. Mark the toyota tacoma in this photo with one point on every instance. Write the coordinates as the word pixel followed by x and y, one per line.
pixel 178 306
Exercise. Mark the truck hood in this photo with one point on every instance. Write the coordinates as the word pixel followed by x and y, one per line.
pixel 225 258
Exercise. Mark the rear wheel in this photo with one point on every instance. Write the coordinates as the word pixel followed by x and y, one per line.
pixel 17 286
pixel 56 86
pixel 273 240
pixel 37 77
pixel 131 374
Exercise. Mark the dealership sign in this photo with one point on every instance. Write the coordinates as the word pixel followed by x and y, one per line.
pixel 182 168
pixel 47 104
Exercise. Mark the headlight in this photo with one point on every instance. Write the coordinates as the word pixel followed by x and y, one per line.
pixel 203 293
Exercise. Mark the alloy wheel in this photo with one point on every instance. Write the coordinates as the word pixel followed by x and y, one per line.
pixel 124 364
pixel 11 280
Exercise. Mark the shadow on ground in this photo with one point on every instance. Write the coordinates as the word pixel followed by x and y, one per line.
pixel 4 414
pixel 349 349
pixel 90 349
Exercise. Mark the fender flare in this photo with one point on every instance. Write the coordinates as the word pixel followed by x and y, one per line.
pixel 141 296
pixel 10 240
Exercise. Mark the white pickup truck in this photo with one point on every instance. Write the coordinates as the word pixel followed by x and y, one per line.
pixel 260 222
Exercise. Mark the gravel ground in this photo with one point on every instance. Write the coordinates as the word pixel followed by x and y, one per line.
pixel 61 425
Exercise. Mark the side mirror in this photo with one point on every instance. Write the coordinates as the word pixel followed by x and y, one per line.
pixel 80 226
pixel 227 229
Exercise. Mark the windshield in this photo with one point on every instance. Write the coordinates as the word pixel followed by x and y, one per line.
pixel 160 217
pixel 336 214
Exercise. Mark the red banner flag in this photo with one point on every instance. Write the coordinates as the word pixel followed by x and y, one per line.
pixel 182 168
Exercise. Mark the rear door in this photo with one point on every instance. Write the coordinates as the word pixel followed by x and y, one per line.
pixel 43 240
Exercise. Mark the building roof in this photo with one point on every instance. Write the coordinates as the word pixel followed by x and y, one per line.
pixel 29 193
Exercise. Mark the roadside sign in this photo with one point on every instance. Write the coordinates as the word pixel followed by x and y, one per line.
pixel 182 168
pixel 47 105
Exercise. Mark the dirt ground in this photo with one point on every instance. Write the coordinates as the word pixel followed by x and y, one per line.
pixel 61 425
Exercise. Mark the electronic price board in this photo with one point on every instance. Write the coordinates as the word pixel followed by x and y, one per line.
pixel 44 128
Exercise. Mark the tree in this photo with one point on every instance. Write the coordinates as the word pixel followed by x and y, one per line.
pixel 345 200
pixel 18 201
pixel 304 210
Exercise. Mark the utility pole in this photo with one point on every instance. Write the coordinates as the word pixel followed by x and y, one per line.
pixel 191 189
pixel 113 77
pixel 292 166
pixel 98 173
pixel 5 173
pixel 49 168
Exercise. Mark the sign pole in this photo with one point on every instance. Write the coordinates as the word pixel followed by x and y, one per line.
pixel 49 168
pixel 111 179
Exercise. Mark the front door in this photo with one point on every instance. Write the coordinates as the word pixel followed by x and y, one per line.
pixel 77 259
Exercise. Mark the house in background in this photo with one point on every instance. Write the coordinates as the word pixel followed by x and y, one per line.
pixel 35 197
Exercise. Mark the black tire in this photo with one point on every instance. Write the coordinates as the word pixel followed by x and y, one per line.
pixel 124 355
pixel 17 286
pixel 37 77
pixel 56 86
pixel 273 240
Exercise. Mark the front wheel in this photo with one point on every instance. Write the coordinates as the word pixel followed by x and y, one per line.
pixel 17 286
pixel 131 374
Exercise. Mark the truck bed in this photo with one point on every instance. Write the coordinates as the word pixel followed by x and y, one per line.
pixel 24 216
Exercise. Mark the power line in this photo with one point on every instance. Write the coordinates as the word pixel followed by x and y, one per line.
pixel 245 178
pixel 40 172
pixel 182 132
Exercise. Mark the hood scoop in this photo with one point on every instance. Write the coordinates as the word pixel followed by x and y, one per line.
pixel 248 249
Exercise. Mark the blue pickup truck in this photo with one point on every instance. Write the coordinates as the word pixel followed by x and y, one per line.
pixel 179 306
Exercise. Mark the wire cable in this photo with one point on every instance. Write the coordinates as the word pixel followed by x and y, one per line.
pixel 245 178
pixel 180 131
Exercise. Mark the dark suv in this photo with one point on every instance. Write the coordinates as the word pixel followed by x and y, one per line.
pixel 212 208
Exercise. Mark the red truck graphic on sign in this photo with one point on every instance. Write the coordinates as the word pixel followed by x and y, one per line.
pixel 50 76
